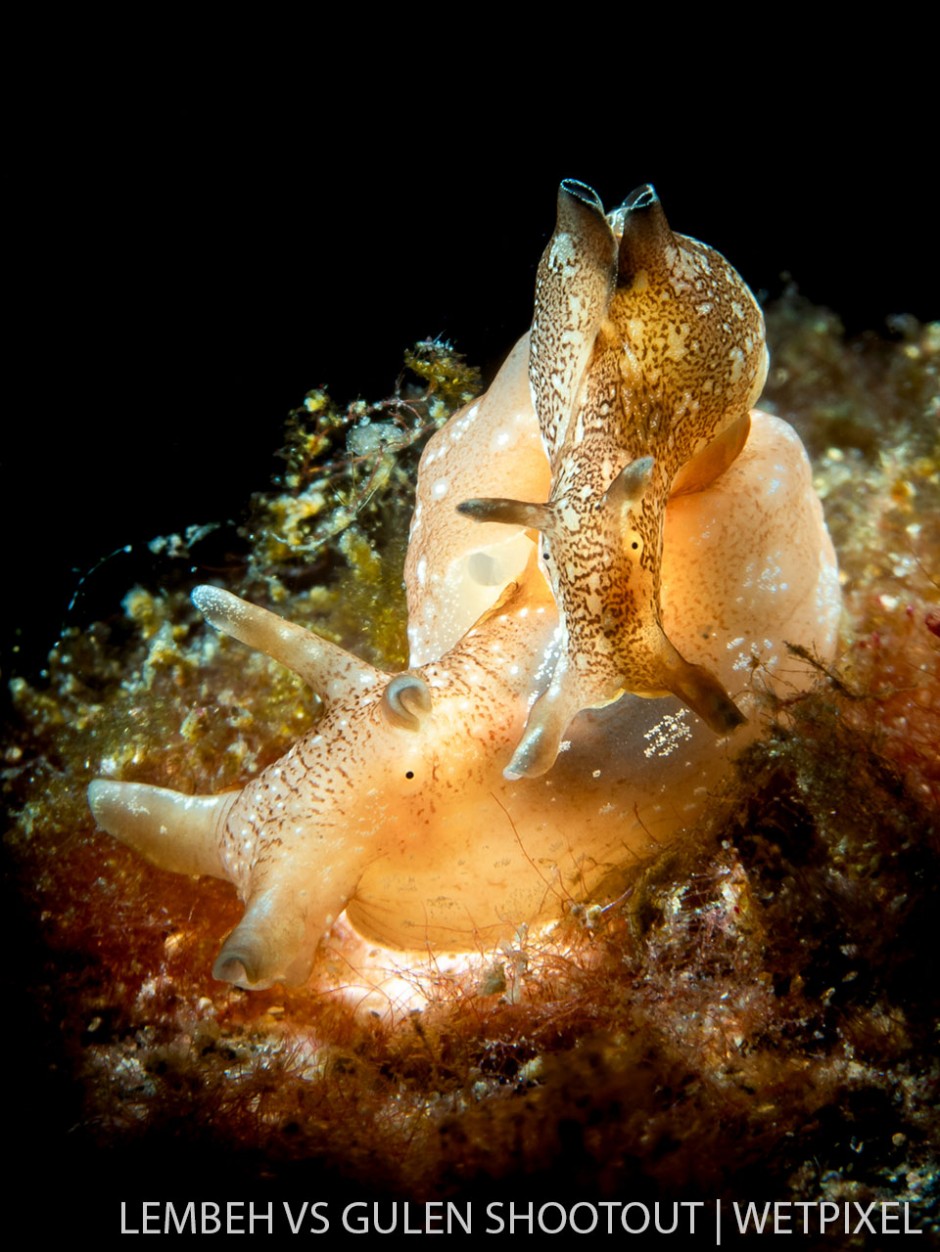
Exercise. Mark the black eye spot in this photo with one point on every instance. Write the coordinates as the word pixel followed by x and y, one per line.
pixel 409 773
pixel 634 545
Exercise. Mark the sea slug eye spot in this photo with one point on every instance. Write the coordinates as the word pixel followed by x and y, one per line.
pixel 409 773
pixel 634 545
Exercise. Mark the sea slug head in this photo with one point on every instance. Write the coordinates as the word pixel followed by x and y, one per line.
pixel 647 352
pixel 690 342
pixel 398 766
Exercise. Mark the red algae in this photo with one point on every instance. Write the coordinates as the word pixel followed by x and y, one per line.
pixel 749 1012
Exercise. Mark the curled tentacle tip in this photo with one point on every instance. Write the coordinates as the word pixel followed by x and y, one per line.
pixel 406 701
pixel 231 968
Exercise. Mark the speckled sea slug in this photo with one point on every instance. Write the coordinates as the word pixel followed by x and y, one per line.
pixel 608 556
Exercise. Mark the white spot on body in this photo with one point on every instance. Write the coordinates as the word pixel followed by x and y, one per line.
pixel 666 736
pixel 569 517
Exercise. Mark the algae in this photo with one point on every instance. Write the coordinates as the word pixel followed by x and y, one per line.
pixel 753 1017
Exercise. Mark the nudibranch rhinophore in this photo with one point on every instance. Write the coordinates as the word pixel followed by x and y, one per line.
pixel 627 528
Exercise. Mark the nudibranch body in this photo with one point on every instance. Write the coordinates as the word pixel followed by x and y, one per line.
pixel 647 354
pixel 399 806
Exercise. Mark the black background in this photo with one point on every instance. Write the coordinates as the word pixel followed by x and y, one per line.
pixel 195 253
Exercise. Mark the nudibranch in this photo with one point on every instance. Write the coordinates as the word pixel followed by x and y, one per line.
pixel 646 356
pixel 441 807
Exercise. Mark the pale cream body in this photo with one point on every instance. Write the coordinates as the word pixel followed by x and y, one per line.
pixel 456 856
pixel 748 567
pixel 402 806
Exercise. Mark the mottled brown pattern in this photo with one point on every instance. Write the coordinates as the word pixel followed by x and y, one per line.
pixel 645 344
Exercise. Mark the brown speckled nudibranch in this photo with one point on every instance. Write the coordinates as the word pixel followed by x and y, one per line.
pixel 608 523
pixel 646 356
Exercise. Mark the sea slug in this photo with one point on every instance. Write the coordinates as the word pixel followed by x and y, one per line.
pixel 627 527
pixel 646 356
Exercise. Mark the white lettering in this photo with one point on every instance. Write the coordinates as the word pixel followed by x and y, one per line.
pixel 407 1229
pixel 431 1217
pixel 188 1218
pixel 667 1230
pixel 295 1225
pixel 521 1217
pixel 149 1227
pixel 552 1230
pixel 125 1229
pixel 750 1215
pixel 825 1208
pixel 782 1218
pixel 316 1216
pixel 805 1205
pixel 863 1217
pixel 362 1223
pixel 267 1217
pixel 584 1217
pixel 461 1219
pixel 634 1230
pixel 492 1212
pixel 583 1230
pixel 691 1205
pixel 237 1217
pixel 609 1205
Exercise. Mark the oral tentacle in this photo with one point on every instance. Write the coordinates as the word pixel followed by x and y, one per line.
pixel 174 831
pixel 331 671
